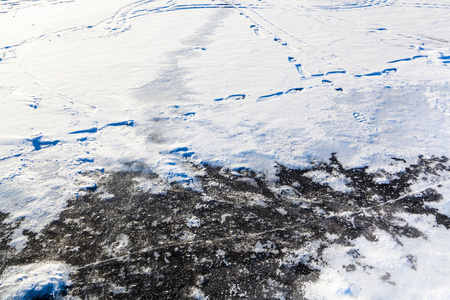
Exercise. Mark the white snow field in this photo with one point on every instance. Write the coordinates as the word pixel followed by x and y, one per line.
pixel 102 85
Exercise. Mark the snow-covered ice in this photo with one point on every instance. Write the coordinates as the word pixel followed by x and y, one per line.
pixel 35 280
pixel 93 87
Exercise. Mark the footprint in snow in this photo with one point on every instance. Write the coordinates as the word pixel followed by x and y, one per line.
pixel 294 90
pixel 298 66
pixel 182 151
pixel 34 103
pixel 359 117
pixel 379 73
pixel 255 29
pixel 232 97
pixel 188 116
pixel 278 40
pixel 38 144
pixel 266 97
pixel 445 59
pixel 336 72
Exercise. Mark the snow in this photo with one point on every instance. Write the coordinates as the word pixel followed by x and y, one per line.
pixel 385 269
pixel 156 186
pixel 302 255
pixel 338 182
pixel 77 75
pixel 263 248
pixel 88 86
pixel 34 280
pixel 193 221
pixel 198 294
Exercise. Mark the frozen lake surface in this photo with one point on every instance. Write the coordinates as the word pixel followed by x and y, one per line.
pixel 225 149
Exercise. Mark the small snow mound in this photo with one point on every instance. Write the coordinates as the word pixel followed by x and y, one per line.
pixel 198 294
pixel 193 222
pixel 337 182
pixel 264 248
pixel 35 281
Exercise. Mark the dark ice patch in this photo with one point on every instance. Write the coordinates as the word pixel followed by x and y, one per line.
pixel 234 233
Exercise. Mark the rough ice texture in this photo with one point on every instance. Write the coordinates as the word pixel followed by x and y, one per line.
pixel 215 242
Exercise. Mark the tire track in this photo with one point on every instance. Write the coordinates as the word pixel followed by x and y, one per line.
pixel 354 4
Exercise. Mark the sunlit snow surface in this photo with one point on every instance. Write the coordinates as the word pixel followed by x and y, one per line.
pixel 89 88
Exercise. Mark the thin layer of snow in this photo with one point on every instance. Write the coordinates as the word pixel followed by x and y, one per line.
pixel 442 207
pixel 304 255
pixel 198 294
pixel 263 248
pixel 337 183
pixel 156 186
